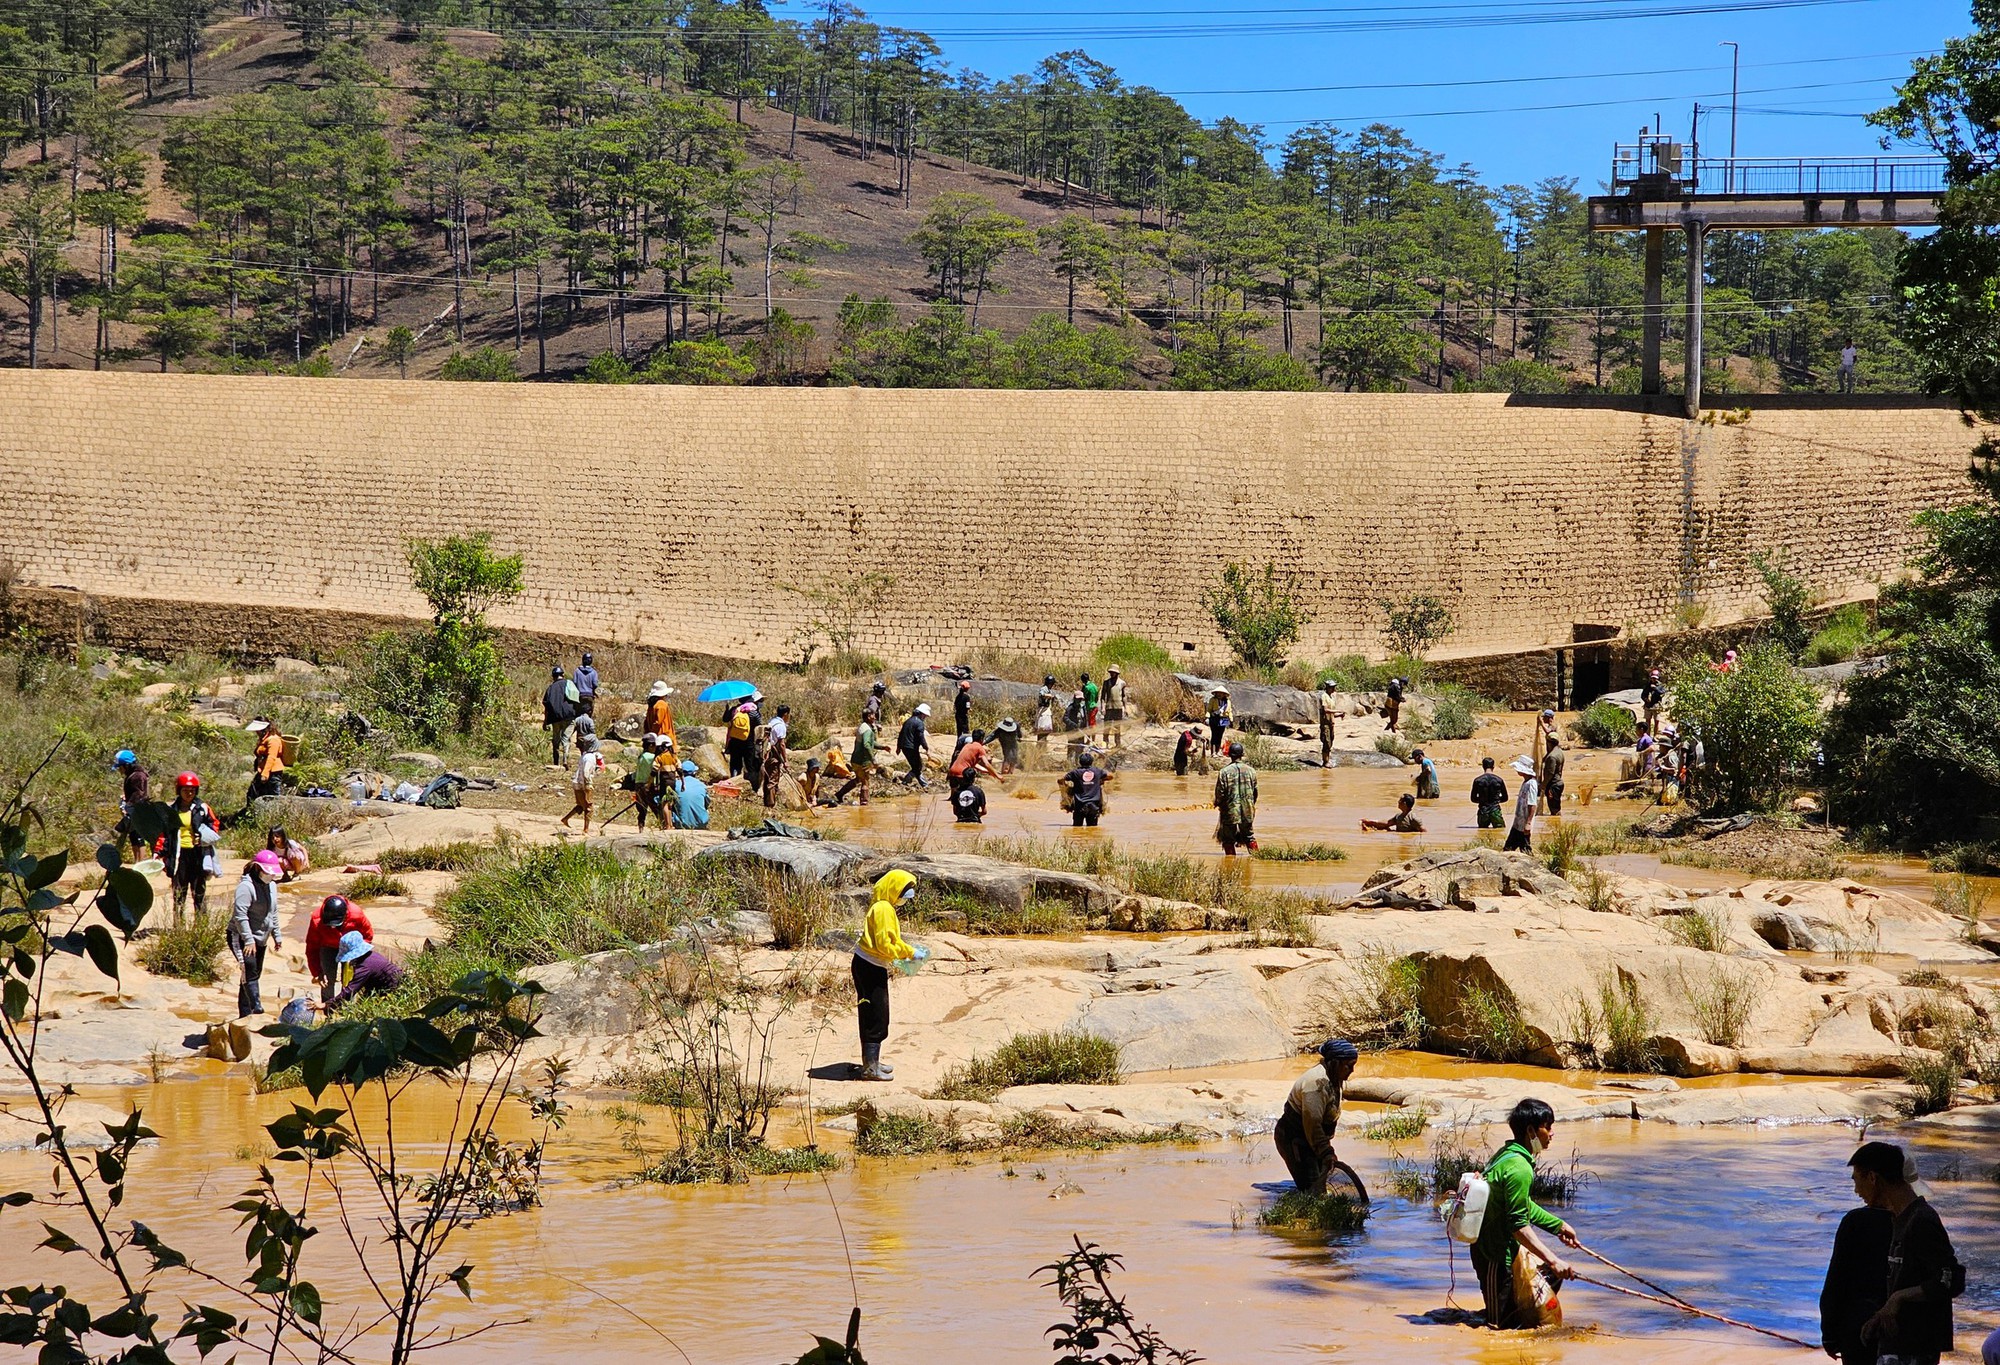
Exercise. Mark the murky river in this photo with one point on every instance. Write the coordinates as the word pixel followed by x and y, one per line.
pixel 940 1253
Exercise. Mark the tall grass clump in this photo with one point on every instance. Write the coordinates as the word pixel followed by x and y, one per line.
pixel 1069 1057
pixel 1615 1029
pixel 1452 717
pixel 1707 930
pixel 372 885
pixel 1335 1211
pixel 1844 635
pixel 1560 843
pixel 1963 899
pixel 1377 1003
pixel 1489 1021
pixel 1129 652
pixel 549 902
pixel 458 855
pixel 1309 851
pixel 1720 1000
pixel 190 950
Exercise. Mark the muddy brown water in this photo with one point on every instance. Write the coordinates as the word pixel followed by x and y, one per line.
pixel 941 1253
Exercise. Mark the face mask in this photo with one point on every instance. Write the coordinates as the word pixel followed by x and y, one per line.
pixel 1536 1146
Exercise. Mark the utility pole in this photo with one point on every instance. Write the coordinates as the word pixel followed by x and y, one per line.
pixel 1735 59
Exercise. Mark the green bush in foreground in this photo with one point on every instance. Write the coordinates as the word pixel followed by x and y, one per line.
pixel 1760 724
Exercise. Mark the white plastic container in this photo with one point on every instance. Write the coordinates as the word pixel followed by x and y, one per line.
pixel 1465 1212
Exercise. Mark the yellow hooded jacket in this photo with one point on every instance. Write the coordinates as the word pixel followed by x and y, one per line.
pixel 881 939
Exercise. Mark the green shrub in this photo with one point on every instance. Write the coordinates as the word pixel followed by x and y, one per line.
pixel 1260 615
pixel 1560 843
pixel 1934 1078
pixel 191 950
pixel 1452 717
pixel 1414 625
pixel 1071 1057
pixel 1844 635
pixel 484 364
pixel 1394 745
pixel 447 680
pixel 1605 725
pixel 1354 673
pixel 1335 1211
pixel 1129 652
pixel 1788 598
pixel 1628 1028
pixel 1759 722
pixel 723 1163
pixel 370 885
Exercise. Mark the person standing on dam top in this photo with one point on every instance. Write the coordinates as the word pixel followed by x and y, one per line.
pixel 1850 357
pixel 1304 1135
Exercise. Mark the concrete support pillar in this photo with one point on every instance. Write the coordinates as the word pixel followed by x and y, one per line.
pixel 1655 319
pixel 1695 231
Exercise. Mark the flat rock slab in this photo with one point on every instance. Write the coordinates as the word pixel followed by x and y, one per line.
pixel 1772 1105
pixel 1482 1099
pixel 21 1124
pixel 1221 1108
pixel 992 882
pixel 809 860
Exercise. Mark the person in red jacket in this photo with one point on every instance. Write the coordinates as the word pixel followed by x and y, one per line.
pixel 336 916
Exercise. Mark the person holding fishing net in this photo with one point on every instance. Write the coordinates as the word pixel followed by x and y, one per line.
pixel 1304 1135
pixel 1517 1294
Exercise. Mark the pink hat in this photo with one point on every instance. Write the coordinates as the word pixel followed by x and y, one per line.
pixel 268 861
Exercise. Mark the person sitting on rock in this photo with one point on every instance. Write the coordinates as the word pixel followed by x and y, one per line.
pixel 1404 821
pixel 1304 1135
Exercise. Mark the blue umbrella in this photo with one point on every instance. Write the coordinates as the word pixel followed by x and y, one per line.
pixel 725 691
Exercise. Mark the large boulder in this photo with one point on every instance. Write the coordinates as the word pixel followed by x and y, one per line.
pixel 819 861
pixel 1446 879
pixel 1180 1013
pixel 1258 708
pixel 992 882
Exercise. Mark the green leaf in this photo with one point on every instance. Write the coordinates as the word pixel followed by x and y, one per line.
pixel 108 856
pixel 103 952
pixel 125 899
pixel 58 1240
pixel 305 1301
pixel 14 1000
pixel 462 1277
pixel 48 867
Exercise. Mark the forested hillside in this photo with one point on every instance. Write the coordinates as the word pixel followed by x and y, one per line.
pixel 686 191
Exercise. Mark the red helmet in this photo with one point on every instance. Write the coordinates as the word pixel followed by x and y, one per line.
pixel 187 780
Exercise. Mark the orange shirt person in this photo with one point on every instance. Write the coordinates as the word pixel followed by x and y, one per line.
pixel 659 715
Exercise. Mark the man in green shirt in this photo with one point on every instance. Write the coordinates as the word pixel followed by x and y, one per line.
pixel 1513 1218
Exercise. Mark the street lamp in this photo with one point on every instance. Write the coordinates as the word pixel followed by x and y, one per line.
pixel 1735 58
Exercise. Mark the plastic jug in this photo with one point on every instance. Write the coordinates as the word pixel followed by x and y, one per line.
pixel 1465 1212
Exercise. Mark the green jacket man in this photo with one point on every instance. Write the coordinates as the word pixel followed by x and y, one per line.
pixel 1513 1219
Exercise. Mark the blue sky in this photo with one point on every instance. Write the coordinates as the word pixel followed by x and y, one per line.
pixel 1819 59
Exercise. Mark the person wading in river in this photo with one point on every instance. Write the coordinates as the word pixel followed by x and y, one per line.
pixel 1489 794
pixel 1236 803
pixel 1913 1325
pixel 1513 1219
pixel 879 948
pixel 1304 1134
pixel 1523 829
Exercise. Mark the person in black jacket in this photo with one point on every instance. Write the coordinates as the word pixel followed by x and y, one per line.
pixel 558 712
pixel 1489 793
pixel 1857 1276
pixel 1913 1325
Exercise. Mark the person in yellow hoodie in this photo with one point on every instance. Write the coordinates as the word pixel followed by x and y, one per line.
pixel 879 948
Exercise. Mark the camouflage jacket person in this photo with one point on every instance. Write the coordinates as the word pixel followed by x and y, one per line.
pixel 1236 794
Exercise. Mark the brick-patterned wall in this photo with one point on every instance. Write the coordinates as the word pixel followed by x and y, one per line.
pixel 1039 521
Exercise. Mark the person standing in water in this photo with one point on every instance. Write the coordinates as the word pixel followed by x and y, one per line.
pixel 880 948
pixel 1514 1221
pixel 1304 1135
pixel 1236 803
pixel 1519 837
pixel 1489 794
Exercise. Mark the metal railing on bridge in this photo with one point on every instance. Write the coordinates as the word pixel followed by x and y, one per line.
pixel 1657 166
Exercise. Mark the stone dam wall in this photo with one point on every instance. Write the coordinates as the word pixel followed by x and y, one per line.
pixel 672 517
